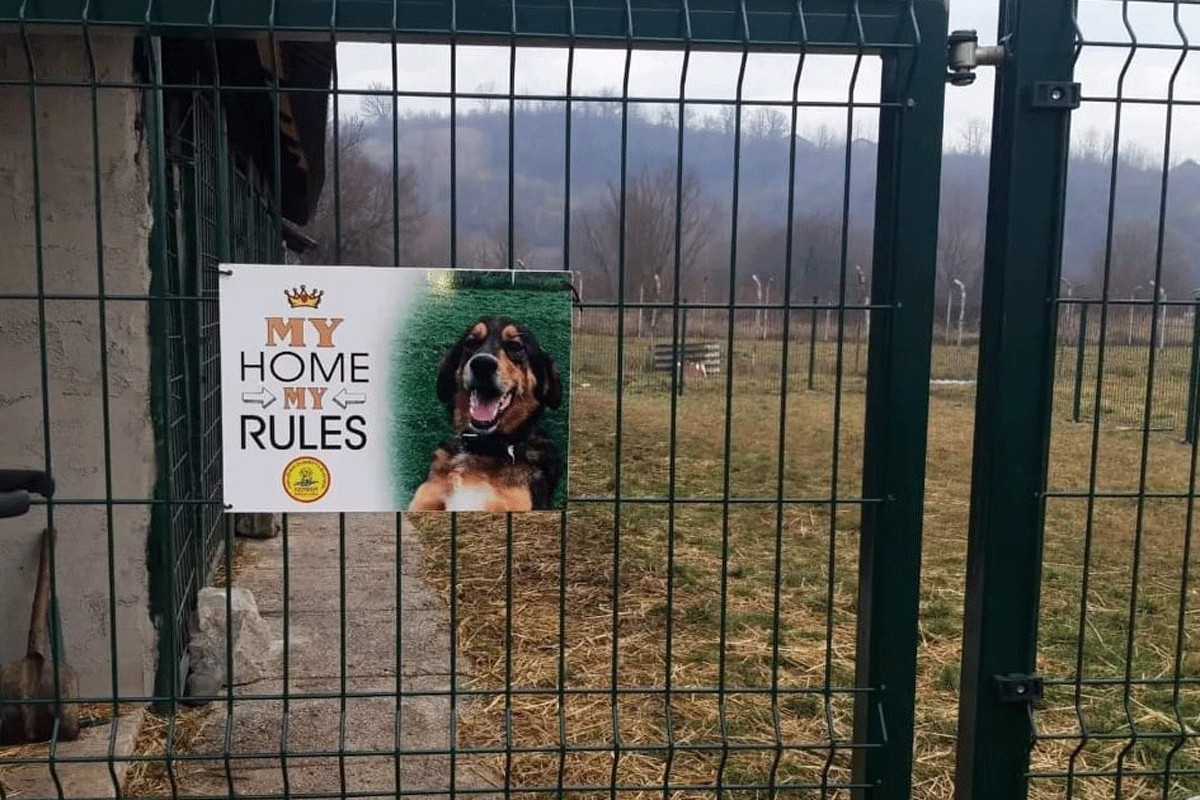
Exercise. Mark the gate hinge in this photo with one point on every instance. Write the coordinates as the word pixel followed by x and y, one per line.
pixel 1017 688
pixel 963 55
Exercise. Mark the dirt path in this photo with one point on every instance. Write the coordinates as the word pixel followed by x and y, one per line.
pixel 365 728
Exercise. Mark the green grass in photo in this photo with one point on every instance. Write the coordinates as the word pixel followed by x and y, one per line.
pixel 436 318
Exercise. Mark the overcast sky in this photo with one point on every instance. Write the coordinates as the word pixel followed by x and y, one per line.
pixel 769 77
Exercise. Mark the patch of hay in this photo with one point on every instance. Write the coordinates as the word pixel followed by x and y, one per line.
pixel 161 737
pixel 244 556
pixel 17 754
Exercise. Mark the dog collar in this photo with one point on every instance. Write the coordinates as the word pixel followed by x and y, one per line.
pixel 495 445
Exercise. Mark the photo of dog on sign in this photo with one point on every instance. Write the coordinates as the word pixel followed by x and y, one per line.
pixel 495 394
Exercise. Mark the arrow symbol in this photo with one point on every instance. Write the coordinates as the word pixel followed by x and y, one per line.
pixel 344 398
pixel 262 398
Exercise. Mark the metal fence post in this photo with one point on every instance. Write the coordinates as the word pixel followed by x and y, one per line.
pixel 1080 351
pixel 812 344
pixel 1031 134
pixel 903 280
pixel 162 551
pixel 1193 374
pixel 681 346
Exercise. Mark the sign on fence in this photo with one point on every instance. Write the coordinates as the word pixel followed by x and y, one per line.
pixel 394 389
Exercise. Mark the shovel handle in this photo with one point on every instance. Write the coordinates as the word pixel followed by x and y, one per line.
pixel 14 504
pixel 27 480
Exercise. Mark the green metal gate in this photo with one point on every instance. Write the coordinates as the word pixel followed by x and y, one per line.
pixel 742 726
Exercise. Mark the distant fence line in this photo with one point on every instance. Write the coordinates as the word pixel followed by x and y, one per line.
pixel 707 322
pixel 813 336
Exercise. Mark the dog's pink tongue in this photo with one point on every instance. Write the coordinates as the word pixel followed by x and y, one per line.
pixel 484 410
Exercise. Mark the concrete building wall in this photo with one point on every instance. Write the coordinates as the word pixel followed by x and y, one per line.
pixel 71 260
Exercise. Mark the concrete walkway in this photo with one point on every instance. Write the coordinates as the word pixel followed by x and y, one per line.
pixel 81 778
pixel 365 728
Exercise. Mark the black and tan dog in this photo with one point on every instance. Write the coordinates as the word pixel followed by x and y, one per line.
pixel 496 381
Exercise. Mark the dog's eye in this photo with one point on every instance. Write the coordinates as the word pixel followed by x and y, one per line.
pixel 514 346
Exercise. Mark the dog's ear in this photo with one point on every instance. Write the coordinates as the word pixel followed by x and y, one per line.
pixel 447 377
pixel 549 385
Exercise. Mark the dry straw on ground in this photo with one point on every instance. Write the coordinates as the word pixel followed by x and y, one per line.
pixel 152 772
pixel 758 602
pixel 564 593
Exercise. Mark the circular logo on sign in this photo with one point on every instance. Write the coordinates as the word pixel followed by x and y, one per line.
pixel 306 479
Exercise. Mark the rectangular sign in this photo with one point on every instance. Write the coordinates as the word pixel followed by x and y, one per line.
pixel 394 389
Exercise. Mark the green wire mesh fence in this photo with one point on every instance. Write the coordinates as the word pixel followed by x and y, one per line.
pixel 746 195
pixel 186 544
pixel 1080 550
pixel 1121 710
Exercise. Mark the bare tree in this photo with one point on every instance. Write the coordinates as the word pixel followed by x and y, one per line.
pixel 1138 156
pixel 769 123
pixel 961 231
pixel 360 208
pixel 727 120
pixel 1134 273
pixel 817 249
pixel 1087 145
pixel 491 250
pixel 489 103
pixel 824 137
pixel 974 136
pixel 378 106
pixel 864 131
pixel 818 267
pixel 650 232
pixel 666 116
pixel 1132 265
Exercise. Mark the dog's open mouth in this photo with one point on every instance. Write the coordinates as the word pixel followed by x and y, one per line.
pixel 485 412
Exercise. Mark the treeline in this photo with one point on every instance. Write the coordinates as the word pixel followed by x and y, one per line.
pixel 402 214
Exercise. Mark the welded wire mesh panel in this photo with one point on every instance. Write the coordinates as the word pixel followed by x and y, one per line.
pixel 653 638
pixel 729 602
pixel 1117 637
pixel 189 537
pixel 1127 343
pixel 184 556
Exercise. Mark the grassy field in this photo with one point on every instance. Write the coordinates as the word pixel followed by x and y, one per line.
pixel 1124 394
pixel 753 595
pixel 757 365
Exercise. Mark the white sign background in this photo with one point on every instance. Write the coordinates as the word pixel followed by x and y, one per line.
pixel 368 300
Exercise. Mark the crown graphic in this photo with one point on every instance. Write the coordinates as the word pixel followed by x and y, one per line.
pixel 303 298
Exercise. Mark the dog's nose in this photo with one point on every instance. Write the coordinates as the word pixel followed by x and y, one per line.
pixel 482 367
